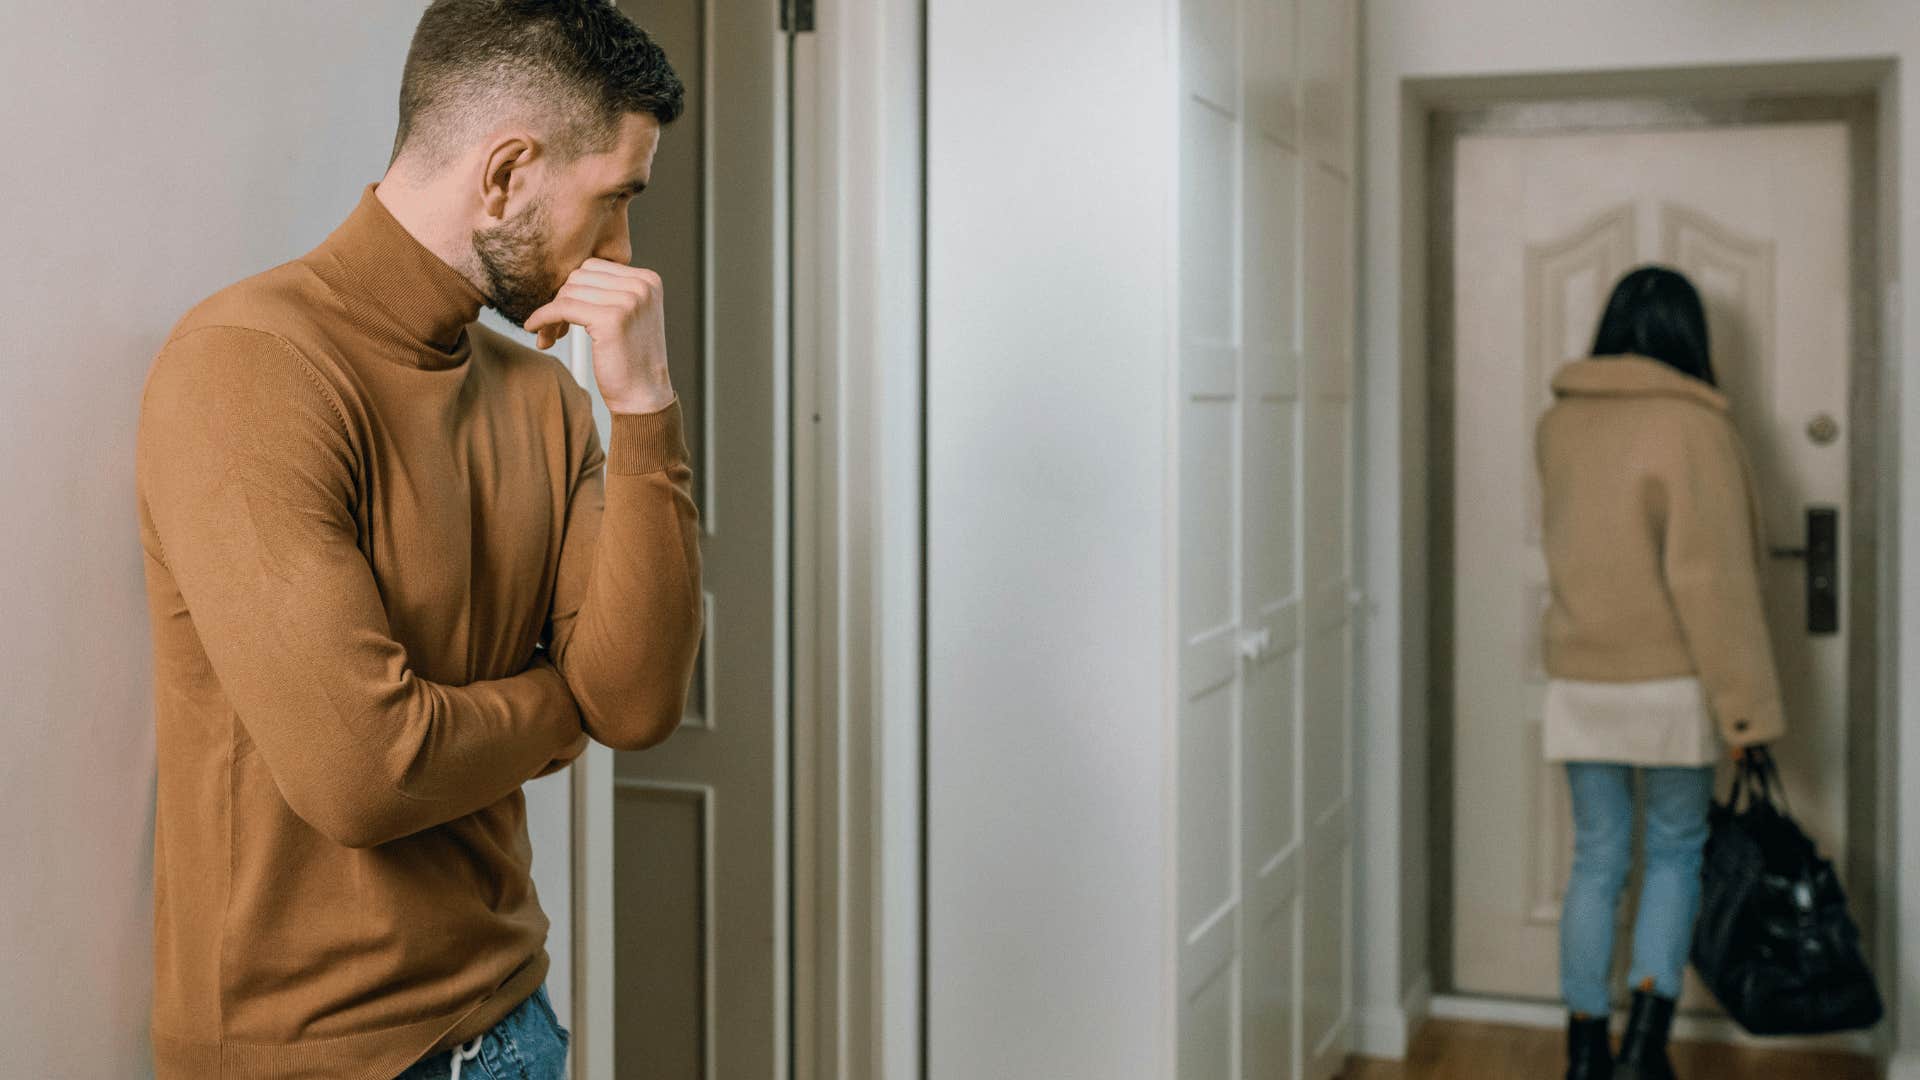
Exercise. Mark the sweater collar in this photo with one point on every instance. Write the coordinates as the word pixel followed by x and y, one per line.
pixel 397 288
pixel 1633 376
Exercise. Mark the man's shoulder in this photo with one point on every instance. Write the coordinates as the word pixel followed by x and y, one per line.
pixel 249 333
pixel 264 328
pixel 280 301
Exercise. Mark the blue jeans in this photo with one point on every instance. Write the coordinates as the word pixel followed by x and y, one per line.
pixel 1676 831
pixel 529 1043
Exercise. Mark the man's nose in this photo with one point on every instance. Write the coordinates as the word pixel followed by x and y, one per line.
pixel 616 249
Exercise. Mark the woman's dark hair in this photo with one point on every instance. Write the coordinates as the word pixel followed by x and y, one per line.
pixel 1654 312
pixel 573 68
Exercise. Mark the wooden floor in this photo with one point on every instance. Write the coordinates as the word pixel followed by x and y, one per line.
pixel 1450 1050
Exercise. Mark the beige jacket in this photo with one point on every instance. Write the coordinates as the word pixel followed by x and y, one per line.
pixel 1653 540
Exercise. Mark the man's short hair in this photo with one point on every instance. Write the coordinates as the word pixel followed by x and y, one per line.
pixel 570 68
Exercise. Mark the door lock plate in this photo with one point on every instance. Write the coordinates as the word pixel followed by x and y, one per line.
pixel 1823 570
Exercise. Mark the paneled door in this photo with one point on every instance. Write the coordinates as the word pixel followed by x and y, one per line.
pixel 1758 218
pixel 681 854
pixel 1265 722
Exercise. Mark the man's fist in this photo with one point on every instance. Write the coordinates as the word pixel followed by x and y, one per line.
pixel 623 309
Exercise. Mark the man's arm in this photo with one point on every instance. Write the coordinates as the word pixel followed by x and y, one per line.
pixel 245 471
pixel 626 621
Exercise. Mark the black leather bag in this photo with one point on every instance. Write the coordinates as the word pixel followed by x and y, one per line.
pixel 1774 941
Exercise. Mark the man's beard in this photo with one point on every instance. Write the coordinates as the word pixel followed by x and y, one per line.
pixel 513 256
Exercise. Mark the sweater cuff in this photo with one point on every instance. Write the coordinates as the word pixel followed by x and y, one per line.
pixel 647 442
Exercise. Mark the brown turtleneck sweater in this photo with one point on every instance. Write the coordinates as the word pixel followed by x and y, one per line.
pixel 363 515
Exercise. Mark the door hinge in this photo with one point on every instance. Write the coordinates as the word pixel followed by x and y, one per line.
pixel 796 16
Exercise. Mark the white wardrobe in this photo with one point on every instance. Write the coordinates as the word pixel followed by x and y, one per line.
pixel 1265 505
pixel 1141 604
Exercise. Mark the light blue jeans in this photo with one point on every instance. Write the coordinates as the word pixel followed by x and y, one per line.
pixel 1676 831
pixel 529 1043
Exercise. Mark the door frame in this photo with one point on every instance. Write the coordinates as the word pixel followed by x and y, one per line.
pixel 1870 858
pixel 850 242
pixel 595 785
pixel 856 130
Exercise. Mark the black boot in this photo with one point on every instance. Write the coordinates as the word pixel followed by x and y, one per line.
pixel 1643 1050
pixel 1589 1056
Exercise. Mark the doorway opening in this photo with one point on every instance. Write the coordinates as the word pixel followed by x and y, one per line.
pixel 1561 244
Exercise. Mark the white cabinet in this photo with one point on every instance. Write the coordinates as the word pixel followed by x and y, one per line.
pixel 1265 509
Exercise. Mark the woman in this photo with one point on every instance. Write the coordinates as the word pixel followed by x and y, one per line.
pixel 1655 642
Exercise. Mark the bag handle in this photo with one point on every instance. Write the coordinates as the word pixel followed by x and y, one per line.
pixel 1758 777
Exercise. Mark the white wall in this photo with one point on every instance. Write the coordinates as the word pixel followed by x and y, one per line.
pixel 1409 46
pixel 157 151
pixel 1049 156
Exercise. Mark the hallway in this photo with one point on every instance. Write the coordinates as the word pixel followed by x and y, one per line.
pixel 1447 1050
pixel 1127 621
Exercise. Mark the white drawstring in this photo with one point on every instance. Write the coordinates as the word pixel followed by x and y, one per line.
pixel 465 1053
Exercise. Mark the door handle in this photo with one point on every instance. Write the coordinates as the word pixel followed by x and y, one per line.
pixel 1822 556
pixel 1254 643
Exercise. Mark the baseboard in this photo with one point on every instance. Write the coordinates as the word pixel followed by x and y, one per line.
pixel 1418 1004
pixel 1904 1066
pixel 1685 1028
pixel 1386 1032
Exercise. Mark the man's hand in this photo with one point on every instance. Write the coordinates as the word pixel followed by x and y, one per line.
pixel 624 311
pixel 564 758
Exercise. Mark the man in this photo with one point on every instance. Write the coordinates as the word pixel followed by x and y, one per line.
pixel 392 576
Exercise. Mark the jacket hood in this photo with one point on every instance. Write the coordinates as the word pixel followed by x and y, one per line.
pixel 1631 376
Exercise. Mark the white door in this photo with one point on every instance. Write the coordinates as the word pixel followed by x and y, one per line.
pixel 681 855
pixel 1265 834
pixel 1758 218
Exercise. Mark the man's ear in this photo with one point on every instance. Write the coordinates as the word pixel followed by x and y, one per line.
pixel 503 170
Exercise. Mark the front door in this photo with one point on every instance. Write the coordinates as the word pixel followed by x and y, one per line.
pixel 681 856
pixel 1758 217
